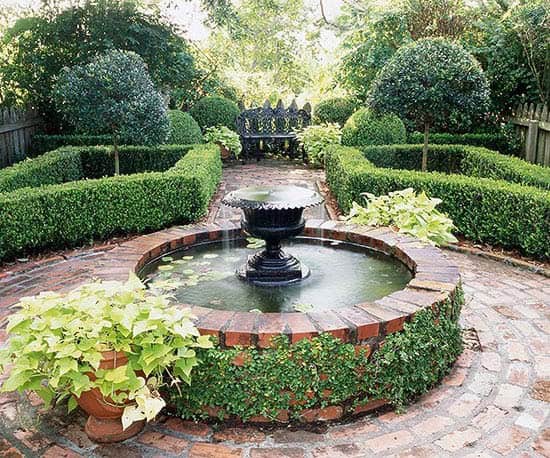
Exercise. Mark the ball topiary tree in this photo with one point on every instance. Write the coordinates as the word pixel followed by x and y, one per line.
pixel 114 95
pixel 364 127
pixel 431 83
pixel 215 111
pixel 184 130
pixel 335 109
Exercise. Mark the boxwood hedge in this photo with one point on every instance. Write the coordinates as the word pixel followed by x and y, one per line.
pixel 483 209
pixel 42 143
pixel 67 214
pixel 498 142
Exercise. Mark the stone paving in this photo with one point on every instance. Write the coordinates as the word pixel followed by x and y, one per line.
pixel 494 403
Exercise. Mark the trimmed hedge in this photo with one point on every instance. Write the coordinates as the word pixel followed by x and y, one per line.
pixel 462 159
pixel 324 371
pixel 215 111
pixel 184 130
pixel 42 143
pixel 497 142
pixel 335 109
pixel 69 214
pixel 483 209
pixel 365 127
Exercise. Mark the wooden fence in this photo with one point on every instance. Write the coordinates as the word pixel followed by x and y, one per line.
pixel 16 128
pixel 533 125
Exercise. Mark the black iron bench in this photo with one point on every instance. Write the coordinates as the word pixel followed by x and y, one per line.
pixel 269 129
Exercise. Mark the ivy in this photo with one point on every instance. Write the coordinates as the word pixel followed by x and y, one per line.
pixel 323 371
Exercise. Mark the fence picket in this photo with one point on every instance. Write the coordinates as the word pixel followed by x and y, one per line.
pixel 16 129
pixel 532 123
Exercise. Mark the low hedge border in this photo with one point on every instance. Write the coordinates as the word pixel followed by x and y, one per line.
pixel 63 215
pixel 460 159
pixel 497 142
pixel 42 143
pixel 323 378
pixel 483 209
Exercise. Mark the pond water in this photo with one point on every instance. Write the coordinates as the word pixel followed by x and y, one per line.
pixel 341 274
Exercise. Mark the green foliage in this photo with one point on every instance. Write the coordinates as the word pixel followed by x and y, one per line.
pixel 298 376
pixel 114 95
pixel 226 137
pixel 57 340
pixel 466 160
pixel 334 110
pixel 409 213
pixel 215 111
pixel 184 130
pixel 69 214
pixel 38 47
pixel 42 143
pixel 502 142
pixel 315 140
pixel 483 210
pixel 431 82
pixel 365 127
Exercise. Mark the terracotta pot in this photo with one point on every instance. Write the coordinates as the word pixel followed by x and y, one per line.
pixel 224 152
pixel 104 422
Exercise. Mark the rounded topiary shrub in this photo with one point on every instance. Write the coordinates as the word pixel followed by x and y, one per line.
pixel 215 111
pixel 184 130
pixel 336 109
pixel 367 128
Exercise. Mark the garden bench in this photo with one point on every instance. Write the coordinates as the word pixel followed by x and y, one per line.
pixel 267 129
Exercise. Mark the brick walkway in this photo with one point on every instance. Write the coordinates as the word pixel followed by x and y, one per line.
pixel 494 403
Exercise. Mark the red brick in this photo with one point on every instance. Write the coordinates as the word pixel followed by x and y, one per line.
pixel 277 453
pixel 203 450
pixel 338 451
pixel 542 443
pixel 239 435
pixel 369 405
pixel 328 321
pixel 352 430
pixel 301 327
pixel 59 452
pixel 432 425
pixel 282 417
pixel 508 439
pixel 387 441
pixel 214 322
pixel 459 439
pixel 366 326
pixel 270 325
pixel 393 320
pixel 241 329
pixel 191 428
pixel 164 442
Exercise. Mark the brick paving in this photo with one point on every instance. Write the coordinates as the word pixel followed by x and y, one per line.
pixel 494 402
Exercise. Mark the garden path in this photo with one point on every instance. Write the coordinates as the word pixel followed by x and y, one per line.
pixel 494 402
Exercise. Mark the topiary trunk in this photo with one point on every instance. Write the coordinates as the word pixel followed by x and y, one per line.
pixel 425 148
pixel 117 161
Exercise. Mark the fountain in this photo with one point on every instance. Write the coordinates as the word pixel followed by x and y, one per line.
pixel 273 214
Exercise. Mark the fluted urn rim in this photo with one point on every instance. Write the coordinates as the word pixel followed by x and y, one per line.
pixel 282 197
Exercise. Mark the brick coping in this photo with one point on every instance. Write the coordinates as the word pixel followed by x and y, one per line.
pixel 435 280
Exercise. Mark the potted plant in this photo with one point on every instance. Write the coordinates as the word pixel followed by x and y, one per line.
pixel 226 139
pixel 107 347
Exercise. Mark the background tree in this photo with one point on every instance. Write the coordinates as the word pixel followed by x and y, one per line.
pixel 37 47
pixel 113 95
pixel 431 83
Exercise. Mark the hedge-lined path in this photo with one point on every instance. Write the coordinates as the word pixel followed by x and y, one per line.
pixel 494 403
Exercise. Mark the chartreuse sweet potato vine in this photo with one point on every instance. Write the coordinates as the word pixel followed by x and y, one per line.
pixel 56 341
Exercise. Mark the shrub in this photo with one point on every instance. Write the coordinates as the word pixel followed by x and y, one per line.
pixel 483 210
pixel 431 83
pixel 335 110
pixel 114 95
pixel 184 130
pixel 462 159
pixel 497 142
pixel 409 213
pixel 316 139
pixel 68 214
pixel 224 136
pixel 409 363
pixel 367 128
pixel 215 111
pixel 92 319
pixel 42 143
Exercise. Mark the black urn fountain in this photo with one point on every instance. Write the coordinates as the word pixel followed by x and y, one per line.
pixel 273 214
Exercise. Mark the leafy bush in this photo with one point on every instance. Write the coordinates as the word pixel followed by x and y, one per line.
pixel 462 159
pixel 483 210
pixel 367 128
pixel 324 371
pixel 226 137
pixel 56 340
pixel 42 143
pixel 335 110
pixel 497 142
pixel 72 213
pixel 184 130
pixel 316 139
pixel 114 95
pixel 431 83
pixel 409 213
pixel 215 111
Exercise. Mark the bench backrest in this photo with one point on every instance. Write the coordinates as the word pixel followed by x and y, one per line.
pixel 267 121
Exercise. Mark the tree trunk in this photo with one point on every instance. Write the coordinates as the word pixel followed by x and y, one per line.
pixel 117 162
pixel 425 148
